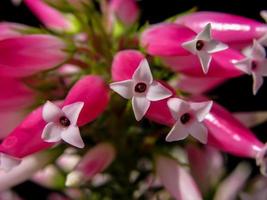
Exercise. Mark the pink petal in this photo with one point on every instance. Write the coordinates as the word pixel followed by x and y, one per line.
pixel 72 111
pixel 166 39
pixel 33 53
pixel 93 92
pixel 201 109
pixel 157 92
pixel 176 179
pixel 140 106
pixel 205 60
pixel 123 88
pixel 257 82
pixel 51 112
pixel 178 132
pixel 52 132
pixel 215 46
pixel 143 73
pixel 198 131
pixel 205 34
pixel 72 136
pixel 125 63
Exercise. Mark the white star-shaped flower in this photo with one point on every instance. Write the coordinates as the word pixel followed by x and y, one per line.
pixel 189 117
pixel 254 64
pixel 62 123
pixel 142 89
pixel 203 46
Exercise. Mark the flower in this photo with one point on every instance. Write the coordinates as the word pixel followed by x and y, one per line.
pixel 203 45
pixel 62 123
pixel 141 89
pixel 254 64
pixel 189 117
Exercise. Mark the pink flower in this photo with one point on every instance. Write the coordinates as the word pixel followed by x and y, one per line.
pixel 189 117
pixel 234 30
pixel 25 55
pixel 95 161
pixel 9 30
pixel 142 89
pixel 49 16
pixel 26 139
pixel 176 179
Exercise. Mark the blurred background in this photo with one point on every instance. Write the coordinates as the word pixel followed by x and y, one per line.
pixel 235 94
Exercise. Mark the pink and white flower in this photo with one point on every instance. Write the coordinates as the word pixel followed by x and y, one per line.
pixel 203 46
pixel 62 123
pixel 189 117
pixel 142 89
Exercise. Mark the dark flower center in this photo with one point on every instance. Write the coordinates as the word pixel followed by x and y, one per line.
pixel 254 65
pixel 185 118
pixel 140 87
pixel 199 45
pixel 64 121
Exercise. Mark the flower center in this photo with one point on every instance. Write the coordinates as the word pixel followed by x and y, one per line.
pixel 140 87
pixel 254 65
pixel 185 118
pixel 64 121
pixel 199 45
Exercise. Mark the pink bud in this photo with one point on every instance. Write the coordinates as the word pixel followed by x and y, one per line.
pixel 176 179
pixel 95 161
pixel 237 31
pixel 9 30
pixel 49 16
pixel 25 55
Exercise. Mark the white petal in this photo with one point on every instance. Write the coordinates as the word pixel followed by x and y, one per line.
pixel 72 136
pixel 263 40
pixel 123 88
pixel 157 92
pixel 263 68
pixel 8 162
pixel 205 60
pixel 51 132
pixel 258 51
pixel 201 109
pixel 177 106
pixel 143 73
pixel 215 46
pixel 140 106
pixel 244 65
pixel 72 111
pixel 51 112
pixel 178 132
pixel 257 82
pixel 263 14
pixel 205 34
pixel 198 131
pixel 190 46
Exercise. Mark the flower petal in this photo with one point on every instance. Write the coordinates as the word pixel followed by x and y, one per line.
pixel 177 106
pixel 143 73
pixel 214 46
pixel 258 51
pixel 8 162
pixel 51 112
pixel 198 131
pixel 205 34
pixel 244 65
pixel 257 82
pixel 51 132
pixel 157 92
pixel 140 106
pixel 205 60
pixel 72 136
pixel 201 109
pixel 72 111
pixel 178 132
pixel 123 88
pixel 190 46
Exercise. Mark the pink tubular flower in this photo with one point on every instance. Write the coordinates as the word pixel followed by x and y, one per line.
pixel 9 30
pixel 49 16
pixel 25 55
pixel 95 161
pixel 26 138
pixel 236 31
pixel 176 179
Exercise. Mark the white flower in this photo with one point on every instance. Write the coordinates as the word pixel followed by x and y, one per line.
pixel 203 46
pixel 189 117
pixel 62 123
pixel 254 64
pixel 141 89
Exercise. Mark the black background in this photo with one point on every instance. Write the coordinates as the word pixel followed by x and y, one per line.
pixel 235 95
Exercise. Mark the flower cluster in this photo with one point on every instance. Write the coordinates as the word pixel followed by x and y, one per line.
pixel 67 124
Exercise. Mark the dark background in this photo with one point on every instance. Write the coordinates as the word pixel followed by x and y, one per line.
pixel 235 95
